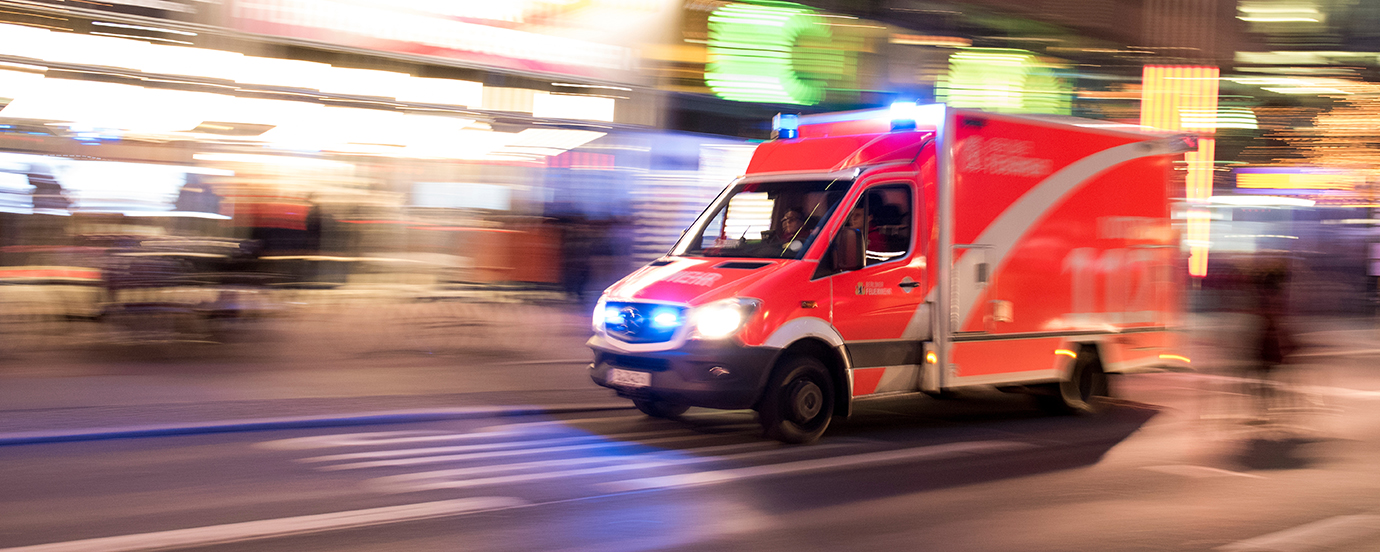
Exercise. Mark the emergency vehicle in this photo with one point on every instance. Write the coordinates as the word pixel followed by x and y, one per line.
pixel 941 248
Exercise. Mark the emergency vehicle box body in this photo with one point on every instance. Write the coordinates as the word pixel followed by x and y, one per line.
pixel 995 250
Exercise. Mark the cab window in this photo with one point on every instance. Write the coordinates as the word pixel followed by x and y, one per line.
pixel 774 220
pixel 880 222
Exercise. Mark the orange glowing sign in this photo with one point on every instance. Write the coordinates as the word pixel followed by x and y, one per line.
pixel 1171 98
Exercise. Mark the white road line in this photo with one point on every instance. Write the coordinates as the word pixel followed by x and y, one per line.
pixel 270 528
pixel 403 484
pixel 394 453
pixel 508 428
pixel 884 457
pixel 1319 535
pixel 380 438
pixel 1188 470
pixel 453 473
pixel 506 453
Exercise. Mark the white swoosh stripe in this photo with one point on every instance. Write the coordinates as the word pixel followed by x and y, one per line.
pixel 1016 221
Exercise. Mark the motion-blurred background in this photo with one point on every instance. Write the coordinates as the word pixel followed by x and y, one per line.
pixel 443 175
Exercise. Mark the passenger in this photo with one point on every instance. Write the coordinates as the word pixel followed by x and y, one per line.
pixel 855 219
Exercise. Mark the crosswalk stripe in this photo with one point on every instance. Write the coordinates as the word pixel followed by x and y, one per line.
pixel 566 462
pixel 393 453
pixel 507 453
pixel 935 452
pixel 270 528
pixel 408 483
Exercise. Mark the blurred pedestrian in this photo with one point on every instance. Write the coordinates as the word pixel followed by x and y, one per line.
pixel 1271 343
pixel 577 249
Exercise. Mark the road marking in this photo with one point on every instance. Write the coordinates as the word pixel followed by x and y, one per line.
pixel 1188 470
pixel 444 479
pixel 728 415
pixel 394 453
pixel 280 527
pixel 505 453
pixel 1319 535
pixel 379 438
pixel 936 452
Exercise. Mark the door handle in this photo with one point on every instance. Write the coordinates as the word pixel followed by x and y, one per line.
pixel 908 284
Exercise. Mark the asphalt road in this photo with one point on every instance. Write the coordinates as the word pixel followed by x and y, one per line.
pixel 1183 463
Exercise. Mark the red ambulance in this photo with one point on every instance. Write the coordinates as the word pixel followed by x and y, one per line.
pixel 913 250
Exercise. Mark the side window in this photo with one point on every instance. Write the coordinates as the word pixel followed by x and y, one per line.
pixel 888 222
pixel 881 221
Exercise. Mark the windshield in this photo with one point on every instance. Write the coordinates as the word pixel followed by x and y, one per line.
pixel 764 220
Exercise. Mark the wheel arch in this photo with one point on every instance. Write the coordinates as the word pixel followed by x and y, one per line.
pixel 834 361
pixel 1081 349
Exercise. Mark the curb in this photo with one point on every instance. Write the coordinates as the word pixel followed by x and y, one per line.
pixel 301 422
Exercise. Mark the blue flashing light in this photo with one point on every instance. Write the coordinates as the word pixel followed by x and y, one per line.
pixel 903 115
pixel 785 126
pixel 612 316
pixel 665 318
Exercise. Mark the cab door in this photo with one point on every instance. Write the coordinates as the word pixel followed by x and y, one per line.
pixel 877 305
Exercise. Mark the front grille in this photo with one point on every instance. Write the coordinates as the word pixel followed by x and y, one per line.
pixel 638 363
pixel 642 322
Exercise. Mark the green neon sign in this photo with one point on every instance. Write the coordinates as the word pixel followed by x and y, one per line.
pixel 754 53
pixel 1004 80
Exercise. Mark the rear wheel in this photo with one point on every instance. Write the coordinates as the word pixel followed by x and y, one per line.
pixel 660 409
pixel 1080 393
pixel 799 401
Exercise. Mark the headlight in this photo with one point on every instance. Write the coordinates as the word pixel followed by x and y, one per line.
pixel 721 319
pixel 600 315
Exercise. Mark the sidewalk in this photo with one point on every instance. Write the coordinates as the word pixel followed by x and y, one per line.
pixel 303 374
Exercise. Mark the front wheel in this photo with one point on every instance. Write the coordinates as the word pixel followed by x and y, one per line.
pixel 660 409
pixel 799 401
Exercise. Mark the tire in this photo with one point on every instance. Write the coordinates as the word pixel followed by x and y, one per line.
pixel 1079 393
pixel 799 401
pixel 660 409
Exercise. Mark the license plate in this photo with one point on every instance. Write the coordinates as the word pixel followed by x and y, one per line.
pixel 629 378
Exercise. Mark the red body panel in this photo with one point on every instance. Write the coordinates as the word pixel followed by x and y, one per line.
pixel 1061 237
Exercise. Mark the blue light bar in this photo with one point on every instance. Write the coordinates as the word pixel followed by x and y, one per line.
pixel 921 115
pixel 785 126
pixel 903 115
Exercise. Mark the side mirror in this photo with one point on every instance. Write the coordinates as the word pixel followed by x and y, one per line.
pixel 847 253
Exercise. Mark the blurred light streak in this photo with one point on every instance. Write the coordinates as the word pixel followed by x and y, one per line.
pixel 930 40
pixel 142 28
pixel 1167 92
pixel 1263 201
pixel 572 106
pixel 751 51
pixel 1297 178
pixel 136 37
pixel 1004 80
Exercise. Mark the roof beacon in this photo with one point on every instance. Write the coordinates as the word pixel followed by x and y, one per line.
pixel 903 115
pixel 785 126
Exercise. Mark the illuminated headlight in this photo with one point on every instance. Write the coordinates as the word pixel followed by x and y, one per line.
pixel 721 319
pixel 602 315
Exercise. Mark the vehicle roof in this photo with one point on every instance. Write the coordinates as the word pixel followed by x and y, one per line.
pixel 837 153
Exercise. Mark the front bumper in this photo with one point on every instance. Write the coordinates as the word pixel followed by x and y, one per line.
pixel 687 375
